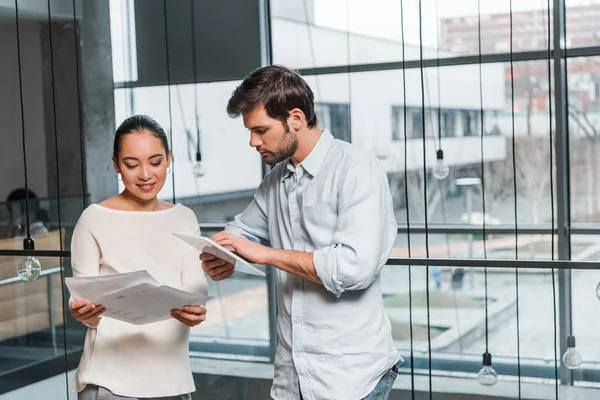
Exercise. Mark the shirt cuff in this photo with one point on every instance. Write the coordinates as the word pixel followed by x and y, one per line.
pixel 325 264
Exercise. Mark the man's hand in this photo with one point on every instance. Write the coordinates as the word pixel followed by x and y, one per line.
pixel 87 313
pixel 190 315
pixel 247 249
pixel 219 269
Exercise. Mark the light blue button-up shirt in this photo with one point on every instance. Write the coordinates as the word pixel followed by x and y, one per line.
pixel 335 339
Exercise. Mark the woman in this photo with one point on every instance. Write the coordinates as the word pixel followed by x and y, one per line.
pixel 128 232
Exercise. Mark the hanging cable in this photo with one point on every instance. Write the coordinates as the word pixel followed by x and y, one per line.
pixel 60 233
pixel 439 96
pixel 349 136
pixel 311 48
pixel 482 174
pixel 78 85
pixel 425 191
pixel 196 116
pixel 487 375
pixel 440 152
pixel 514 161
pixel 169 92
pixel 549 55
pixel 124 48
pixel 55 126
pixel 574 356
pixel 410 315
pixel 22 121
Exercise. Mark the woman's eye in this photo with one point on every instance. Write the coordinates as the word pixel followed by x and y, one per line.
pixel 156 164
pixel 130 166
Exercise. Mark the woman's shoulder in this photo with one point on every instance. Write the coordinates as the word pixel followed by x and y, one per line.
pixel 187 217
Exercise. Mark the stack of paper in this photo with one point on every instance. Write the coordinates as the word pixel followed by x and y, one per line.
pixel 134 297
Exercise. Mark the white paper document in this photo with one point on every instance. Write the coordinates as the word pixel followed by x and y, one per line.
pixel 205 245
pixel 134 297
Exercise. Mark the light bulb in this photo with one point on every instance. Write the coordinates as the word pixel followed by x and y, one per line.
pixel 488 375
pixel 571 359
pixel 441 169
pixel 29 268
pixel 198 169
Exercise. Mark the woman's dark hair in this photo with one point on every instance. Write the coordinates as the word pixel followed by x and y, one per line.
pixel 138 123
pixel 279 89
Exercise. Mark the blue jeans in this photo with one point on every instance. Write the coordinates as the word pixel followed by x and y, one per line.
pixel 384 386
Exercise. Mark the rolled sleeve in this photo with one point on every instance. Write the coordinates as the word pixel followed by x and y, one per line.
pixel 365 231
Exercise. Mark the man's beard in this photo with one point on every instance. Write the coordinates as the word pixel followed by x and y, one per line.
pixel 287 147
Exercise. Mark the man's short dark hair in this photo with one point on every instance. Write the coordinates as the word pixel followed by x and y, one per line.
pixel 277 88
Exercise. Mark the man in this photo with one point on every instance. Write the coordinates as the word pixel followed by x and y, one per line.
pixel 323 217
pixel 17 212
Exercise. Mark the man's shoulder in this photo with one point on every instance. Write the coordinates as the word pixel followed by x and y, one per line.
pixel 274 175
pixel 346 154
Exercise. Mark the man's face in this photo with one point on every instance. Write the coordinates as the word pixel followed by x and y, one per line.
pixel 270 137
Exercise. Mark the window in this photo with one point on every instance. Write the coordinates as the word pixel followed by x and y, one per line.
pixel 470 120
pixel 448 124
pixel 336 118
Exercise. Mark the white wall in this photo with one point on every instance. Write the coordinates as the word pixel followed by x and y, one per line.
pixel 11 158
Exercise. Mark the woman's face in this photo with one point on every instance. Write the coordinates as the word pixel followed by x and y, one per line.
pixel 143 164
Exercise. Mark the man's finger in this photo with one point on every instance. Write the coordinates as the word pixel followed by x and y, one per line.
pixel 218 235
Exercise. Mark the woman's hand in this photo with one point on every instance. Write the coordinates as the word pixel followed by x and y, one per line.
pixel 190 315
pixel 87 313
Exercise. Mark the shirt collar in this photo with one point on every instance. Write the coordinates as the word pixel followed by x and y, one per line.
pixel 312 163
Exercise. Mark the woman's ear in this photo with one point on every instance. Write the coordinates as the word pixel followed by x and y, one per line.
pixel 169 157
pixel 116 165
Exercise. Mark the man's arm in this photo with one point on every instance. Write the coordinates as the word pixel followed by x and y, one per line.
pixel 365 232
pixel 251 224
pixel 363 238
pixel 295 262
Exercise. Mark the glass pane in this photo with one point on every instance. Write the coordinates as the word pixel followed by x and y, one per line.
pixel 457 304
pixel 381 119
pixel 32 329
pixel 585 300
pixel 342 32
pixel 582 24
pixel 238 316
pixel 584 136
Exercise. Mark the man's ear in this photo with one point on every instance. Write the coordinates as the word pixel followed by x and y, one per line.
pixel 296 119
